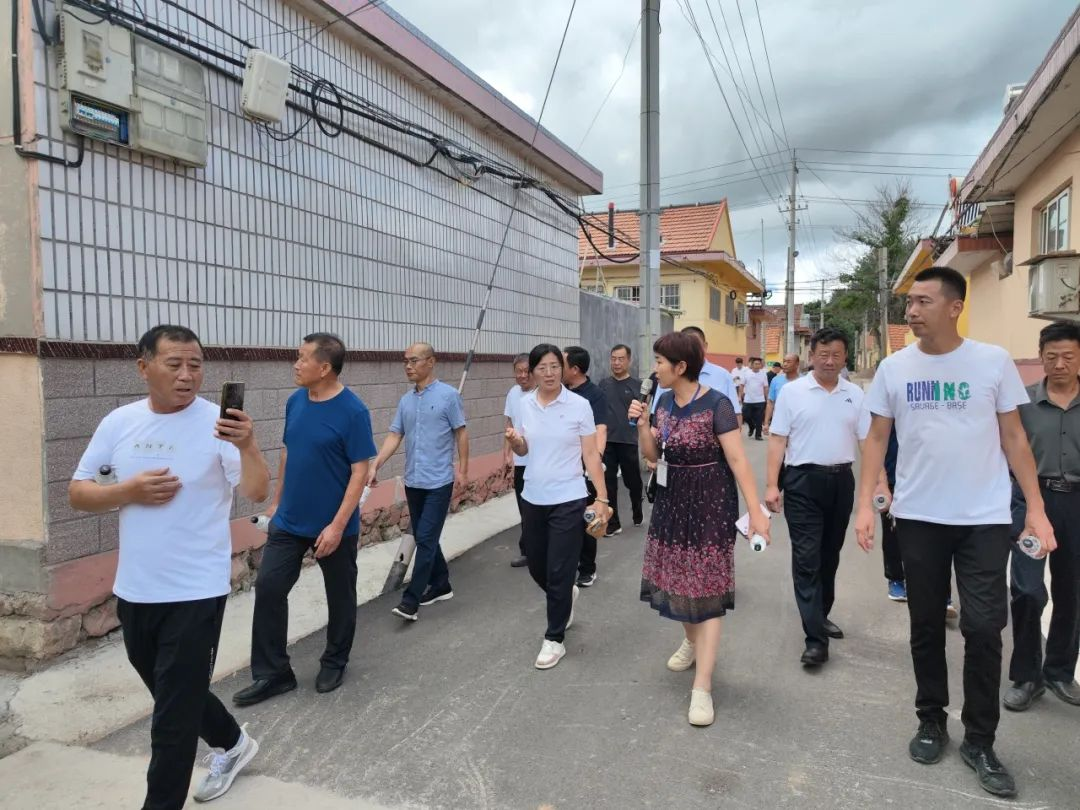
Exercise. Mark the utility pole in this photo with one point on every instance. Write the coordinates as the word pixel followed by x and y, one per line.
pixel 649 258
pixel 863 350
pixel 821 312
pixel 883 297
pixel 761 320
pixel 789 286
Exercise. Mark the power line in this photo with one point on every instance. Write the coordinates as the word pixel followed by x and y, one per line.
pixel 757 77
pixel 849 163
pixel 614 84
pixel 768 61
pixel 338 18
pixel 831 191
pixel 693 171
pixel 881 152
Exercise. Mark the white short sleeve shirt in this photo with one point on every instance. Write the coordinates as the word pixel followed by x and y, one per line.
pixel 511 410
pixel 950 468
pixel 182 550
pixel 553 432
pixel 822 427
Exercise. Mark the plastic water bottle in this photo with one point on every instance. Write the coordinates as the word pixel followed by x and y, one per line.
pixel 758 542
pixel 262 523
pixel 105 475
pixel 1030 545
pixel 881 502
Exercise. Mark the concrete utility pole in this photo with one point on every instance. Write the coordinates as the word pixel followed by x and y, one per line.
pixel 761 320
pixel 649 259
pixel 789 287
pixel 821 313
pixel 883 297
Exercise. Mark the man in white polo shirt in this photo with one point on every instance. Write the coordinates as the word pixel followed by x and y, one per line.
pixel 754 393
pixel 818 422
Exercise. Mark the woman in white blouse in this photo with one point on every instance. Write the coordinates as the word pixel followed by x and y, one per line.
pixel 557 431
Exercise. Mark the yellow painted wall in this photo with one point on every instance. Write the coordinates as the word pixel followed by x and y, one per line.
pixel 21 431
pixel 999 307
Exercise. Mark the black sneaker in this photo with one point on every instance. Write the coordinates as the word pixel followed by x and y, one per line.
pixel 430 596
pixel 586 580
pixel 612 531
pixel 407 612
pixel 928 744
pixel 991 773
pixel 638 520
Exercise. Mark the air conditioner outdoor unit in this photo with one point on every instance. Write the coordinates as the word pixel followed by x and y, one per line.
pixel 1054 288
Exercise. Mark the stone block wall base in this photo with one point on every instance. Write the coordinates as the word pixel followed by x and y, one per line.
pixel 22 637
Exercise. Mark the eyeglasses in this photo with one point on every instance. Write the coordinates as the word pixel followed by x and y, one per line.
pixel 414 361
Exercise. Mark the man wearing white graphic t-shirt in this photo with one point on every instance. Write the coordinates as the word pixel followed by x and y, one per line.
pixel 954 403
pixel 175 464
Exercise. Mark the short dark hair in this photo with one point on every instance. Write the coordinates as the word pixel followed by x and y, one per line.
pixel 577 356
pixel 694 330
pixel 521 358
pixel 680 347
pixel 1058 330
pixel 148 343
pixel 829 334
pixel 952 281
pixel 542 350
pixel 618 346
pixel 775 364
pixel 739 359
pixel 752 359
pixel 329 348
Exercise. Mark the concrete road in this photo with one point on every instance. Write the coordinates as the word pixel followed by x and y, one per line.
pixel 450 713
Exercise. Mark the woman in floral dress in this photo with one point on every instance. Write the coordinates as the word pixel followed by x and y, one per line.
pixel 689 570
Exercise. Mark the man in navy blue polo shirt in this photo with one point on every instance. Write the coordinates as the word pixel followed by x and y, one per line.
pixel 431 420
pixel 323 468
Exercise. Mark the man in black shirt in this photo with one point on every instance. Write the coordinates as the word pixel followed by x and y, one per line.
pixel 575 378
pixel 620 389
pixel 774 370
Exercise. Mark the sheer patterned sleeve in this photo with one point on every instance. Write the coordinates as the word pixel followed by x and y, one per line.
pixel 724 420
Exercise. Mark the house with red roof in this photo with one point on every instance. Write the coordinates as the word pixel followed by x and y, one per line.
pixel 702 283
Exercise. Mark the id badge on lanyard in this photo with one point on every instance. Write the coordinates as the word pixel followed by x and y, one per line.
pixel 665 432
pixel 661 469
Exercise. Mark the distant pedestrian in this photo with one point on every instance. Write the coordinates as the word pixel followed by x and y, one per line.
pixel 954 403
pixel 523 384
pixel 755 394
pixel 790 373
pixel 430 419
pixel 176 465
pixel 689 569
pixel 558 434
pixel 621 452
pixel 1052 423
pixel 738 375
pixel 715 377
pixel 817 426
pixel 322 472
pixel 773 372
pixel 576 379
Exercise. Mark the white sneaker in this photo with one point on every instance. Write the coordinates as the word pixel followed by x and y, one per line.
pixel 573 604
pixel 683 658
pixel 225 766
pixel 701 708
pixel 550 654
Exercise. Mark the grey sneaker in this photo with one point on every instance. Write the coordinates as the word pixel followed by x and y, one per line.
pixel 225 766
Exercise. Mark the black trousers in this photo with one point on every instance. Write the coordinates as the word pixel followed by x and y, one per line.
pixel 587 561
pixel 1029 598
pixel 278 572
pixel 817 506
pixel 979 555
pixel 754 415
pixel 172 646
pixel 553 546
pixel 890 549
pixel 620 456
pixel 519 486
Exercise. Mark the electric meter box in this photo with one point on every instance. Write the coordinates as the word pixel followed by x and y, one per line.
pixel 96 76
pixel 170 104
pixel 266 85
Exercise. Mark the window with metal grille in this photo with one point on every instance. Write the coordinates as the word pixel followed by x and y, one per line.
pixel 714 304
pixel 670 297
pixel 1054 224
pixel 628 293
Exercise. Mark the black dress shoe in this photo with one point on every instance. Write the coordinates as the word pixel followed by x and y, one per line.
pixel 1021 694
pixel 815 656
pixel 264 689
pixel 992 774
pixel 1069 691
pixel 928 744
pixel 329 679
pixel 519 562
pixel 832 631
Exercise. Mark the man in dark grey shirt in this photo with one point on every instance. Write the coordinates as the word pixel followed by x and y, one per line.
pixel 1052 423
pixel 621 453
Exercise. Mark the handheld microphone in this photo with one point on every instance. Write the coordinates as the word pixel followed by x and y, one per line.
pixel 648 388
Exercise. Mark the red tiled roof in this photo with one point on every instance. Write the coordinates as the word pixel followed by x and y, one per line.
pixel 898 333
pixel 683 229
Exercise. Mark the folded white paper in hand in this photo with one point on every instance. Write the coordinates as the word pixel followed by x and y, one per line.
pixel 742 525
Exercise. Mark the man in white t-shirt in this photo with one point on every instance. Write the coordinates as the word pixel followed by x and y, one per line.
pixel 738 376
pixel 169 464
pixel 754 393
pixel 954 403
pixel 523 384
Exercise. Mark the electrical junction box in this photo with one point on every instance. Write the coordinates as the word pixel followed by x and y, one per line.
pixel 170 117
pixel 266 85
pixel 96 76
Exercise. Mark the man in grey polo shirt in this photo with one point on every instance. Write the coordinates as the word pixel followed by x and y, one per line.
pixel 431 420
pixel 1052 423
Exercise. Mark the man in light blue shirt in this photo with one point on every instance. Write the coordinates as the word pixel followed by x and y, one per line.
pixel 431 420
pixel 711 375
pixel 790 373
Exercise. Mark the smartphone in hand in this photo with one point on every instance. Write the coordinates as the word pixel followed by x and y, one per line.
pixel 232 396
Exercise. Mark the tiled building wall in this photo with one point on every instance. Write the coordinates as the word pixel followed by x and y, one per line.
pixel 273 240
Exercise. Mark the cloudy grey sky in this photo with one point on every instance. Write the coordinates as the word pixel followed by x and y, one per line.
pixel 878 76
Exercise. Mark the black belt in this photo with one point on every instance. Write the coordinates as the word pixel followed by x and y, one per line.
pixel 832 469
pixel 1059 485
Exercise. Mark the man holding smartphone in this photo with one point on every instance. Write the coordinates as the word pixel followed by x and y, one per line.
pixel 176 462
pixel 323 468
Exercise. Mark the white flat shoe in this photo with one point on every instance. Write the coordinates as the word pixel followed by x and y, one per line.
pixel 551 653
pixel 683 658
pixel 701 708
